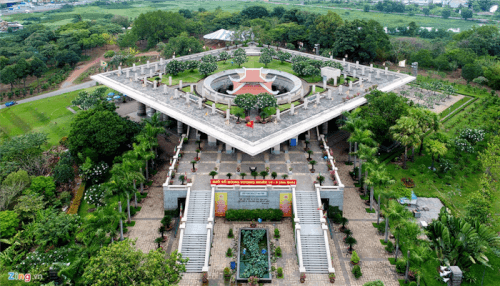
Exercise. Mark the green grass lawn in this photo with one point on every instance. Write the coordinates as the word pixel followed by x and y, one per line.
pixel 48 115
pixel 454 106
pixel 253 62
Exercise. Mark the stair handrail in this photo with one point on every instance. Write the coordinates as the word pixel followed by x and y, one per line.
pixel 298 241
pixel 327 248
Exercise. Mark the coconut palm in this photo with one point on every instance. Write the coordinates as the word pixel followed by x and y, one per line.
pixel 243 175
pixel 396 214
pixel 264 174
pixel 378 176
pixel 312 162
pixel 360 136
pixel 344 221
pixel 104 219
pixel 310 152
pixel 144 153
pixel 365 153
pixel 352 123
pixel 213 174
pixel 121 180
pixel 407 132
pixel 132 171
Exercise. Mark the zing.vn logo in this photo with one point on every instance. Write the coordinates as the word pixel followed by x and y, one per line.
pixel 26 277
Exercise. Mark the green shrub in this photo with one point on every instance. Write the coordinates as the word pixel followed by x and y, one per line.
pixel 109 54
pixel 374 283
pixel 172 213
pixel 9 221
pixel 20 177
pixel 166 221
pixel 390 246
pixel 381 227
pixel 356 270
pixel 248 215
pixel 278 251
pixel 229 252
pixel 355 257
pixel 230 234
pixel 413 283
pixel 43 185
pixel 63 173
pixel 401 266
pixel 280 272
pixel 276 233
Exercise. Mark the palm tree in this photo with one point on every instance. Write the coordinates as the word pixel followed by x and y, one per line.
pixel 320 179
pixel 312 162
pixel 310 152
pixel 407 132
pixel 351 241
pixel 307 143
pixel 229 175
pixel 132 158
pixel 132 171
pixel 264 174
pixel 360 136
pixel 284 176
pixel 122 179
pixel 366 153
pixel 347 233
pixel 144 152
pixel 274 175
pixel 243 175
pixel 104 219
pixel 194 163
pixel 213 174
pixel 255 174
pixel 352 122
pixel 396 213
pixel 199 145
pixel 427 120
pixel 343 221
pixel 436 148
pixel 378 176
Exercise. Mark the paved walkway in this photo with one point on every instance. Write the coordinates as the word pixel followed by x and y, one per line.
pixel 56 92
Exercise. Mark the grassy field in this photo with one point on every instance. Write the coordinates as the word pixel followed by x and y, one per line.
pixel 48 115
pixel 138 7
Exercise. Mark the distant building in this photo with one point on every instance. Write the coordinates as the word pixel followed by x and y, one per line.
pixel 4 26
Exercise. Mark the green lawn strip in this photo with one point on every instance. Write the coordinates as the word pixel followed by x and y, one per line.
pixel 223 107
pixel 370 211
pixel 364 197
pixel 186 89
pixel 48 115
pixel 458 110
pixel 454 106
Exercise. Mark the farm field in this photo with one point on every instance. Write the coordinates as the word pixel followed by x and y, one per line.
pixel 49 115
pixel 133 10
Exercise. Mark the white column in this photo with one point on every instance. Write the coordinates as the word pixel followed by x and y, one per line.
pixel 147 64
pixel 170 80
pixel 142 69
pixel 212 141
pixel 180 84
pixel 229 149
pixel 276 149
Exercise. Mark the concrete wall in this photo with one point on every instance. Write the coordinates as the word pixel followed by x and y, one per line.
pixel 336 198
pixel 170 198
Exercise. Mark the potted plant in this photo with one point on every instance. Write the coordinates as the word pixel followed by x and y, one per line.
pixel 253 224
pixel 182 178
pixel 264 174
pixel 233 280
pixel 243 175
pixel 227 274
pixel 213 174
pixel 185 139
pixel 350 241
pixel 274 175
pixel 302 278
pixel 198 154
pixel 194 168
pixel 312 162
pixel 332 277
pixel 167 221
pixel 354 258
pixel 310 152
pixel 255 174
pixel 307 143
pixel 204 278
pixel 267 169
pixel 320 179
pixel 247 119
pixel 238 169
pixel 290 171
pixel 158 241
pixel 230 234
pixel 258 119
pixel 253 281
pixel 199 144
pixel 162 231
pixel 284 176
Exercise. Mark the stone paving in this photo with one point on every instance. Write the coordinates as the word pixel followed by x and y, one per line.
pixel 374 263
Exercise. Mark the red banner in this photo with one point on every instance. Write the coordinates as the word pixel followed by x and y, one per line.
pixel 253 182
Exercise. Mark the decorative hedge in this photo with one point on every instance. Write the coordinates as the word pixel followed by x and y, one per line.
pixel 248 215
pixel 75 205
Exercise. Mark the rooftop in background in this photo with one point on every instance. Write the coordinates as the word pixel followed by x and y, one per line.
pixel 190 110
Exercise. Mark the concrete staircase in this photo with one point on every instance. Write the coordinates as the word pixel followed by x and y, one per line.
pixel 195 235
pixel 314 252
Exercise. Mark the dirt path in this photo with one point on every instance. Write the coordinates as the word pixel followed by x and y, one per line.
pixel 81 69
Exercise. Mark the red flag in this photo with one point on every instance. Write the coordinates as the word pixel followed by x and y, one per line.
pixel 250 124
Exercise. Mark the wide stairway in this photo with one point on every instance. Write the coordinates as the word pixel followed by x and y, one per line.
pixel 313 241
pixel 195 236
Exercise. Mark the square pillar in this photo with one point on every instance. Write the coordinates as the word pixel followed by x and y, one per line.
pixel 180 128
pixel 276 149
pixel 141 109
pixel 229 149
pixel 212 141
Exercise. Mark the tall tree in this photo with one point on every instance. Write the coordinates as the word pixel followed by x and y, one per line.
pixel 377 176
pixel 407 132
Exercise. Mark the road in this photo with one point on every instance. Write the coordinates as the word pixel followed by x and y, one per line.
pixel 54 93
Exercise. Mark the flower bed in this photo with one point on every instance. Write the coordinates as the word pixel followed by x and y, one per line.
pixel 408 182
pixel 75 205
pixel 254 255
